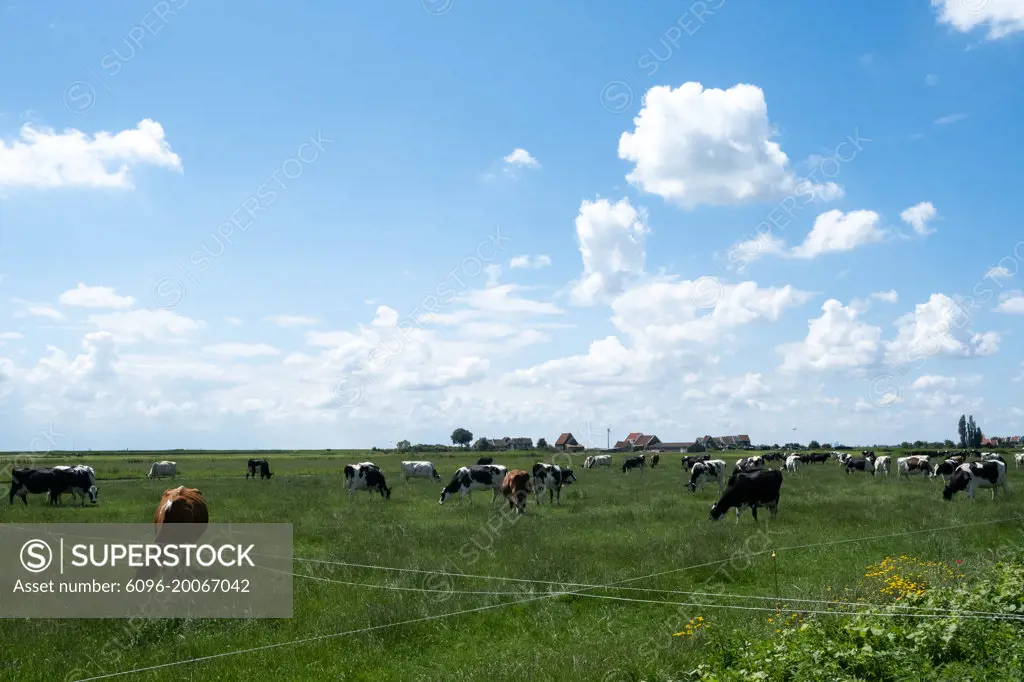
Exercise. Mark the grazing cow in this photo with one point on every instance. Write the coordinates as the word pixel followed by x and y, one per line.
pixel 690 460
pixel 164 468
pixel 485 460
pixel 793 463
pixel 551 477
pixel 758 488
pixel 882 465
pixel 988 474
pixel 1018 460
pixel 702 472
pixel 262 465
pixel 420 470
pixel 366 476
pixel 181 505
pixel 597 461
pixel 774 456
pixel 634 462
pixel 181 518
pixel 655 458
pixel 820 457
pixel 476 477
pixel 866 463
pixel 993 457
pixel 912 465
pixel 78 479
pixel 516 488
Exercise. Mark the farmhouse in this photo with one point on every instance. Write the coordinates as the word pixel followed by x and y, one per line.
pixel 508 443
pixel 567 443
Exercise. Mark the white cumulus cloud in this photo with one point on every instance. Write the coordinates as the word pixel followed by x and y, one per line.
pixel 95 297
pixel 695 146
pixel 44 158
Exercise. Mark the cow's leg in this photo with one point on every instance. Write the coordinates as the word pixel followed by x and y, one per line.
pixel 753 510
pixel 738 509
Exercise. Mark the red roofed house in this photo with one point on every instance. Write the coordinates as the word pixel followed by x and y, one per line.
pixel 567 442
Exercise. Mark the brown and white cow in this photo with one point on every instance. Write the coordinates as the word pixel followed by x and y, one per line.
pixel 180 518
pixel 516 489
pixel 913 465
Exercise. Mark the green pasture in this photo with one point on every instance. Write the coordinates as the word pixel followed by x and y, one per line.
pixel 610 528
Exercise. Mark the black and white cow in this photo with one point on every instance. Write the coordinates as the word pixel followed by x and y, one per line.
pixel 993 457
pixel 748 464
pixel 597 461
pixel 634 462
pixel 754 489
pixel 866 463
pixel 485 460
pixel 774 457
pixel 690 460
pixel 551 477
pixel 476 477
pixel 366 476
pixel 819 457
pixel 991 474
pixel 655 458
pixel 78 479
pixel 54 482
pixel 944 469
pixel 703 472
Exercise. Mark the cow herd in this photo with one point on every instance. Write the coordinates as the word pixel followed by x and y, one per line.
pixel 750 484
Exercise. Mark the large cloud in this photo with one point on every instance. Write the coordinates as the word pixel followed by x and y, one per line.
pixel 697 146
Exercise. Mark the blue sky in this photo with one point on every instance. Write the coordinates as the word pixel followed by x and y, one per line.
pixel 374 157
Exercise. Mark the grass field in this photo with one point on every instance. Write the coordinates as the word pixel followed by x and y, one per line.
pixel 610 528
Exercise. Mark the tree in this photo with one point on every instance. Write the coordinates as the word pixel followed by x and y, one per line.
pixel 542 444
pixel 949 444
pixel 962 430
pixel 462 437
pixel 972 432
pixel 482 444
pixel 814 445
pixel 403 445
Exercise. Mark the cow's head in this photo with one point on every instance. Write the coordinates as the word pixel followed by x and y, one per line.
pixel 568 476
pixel 385 492
pixel 93 492
pixel 717 512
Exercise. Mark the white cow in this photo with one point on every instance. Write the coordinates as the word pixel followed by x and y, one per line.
pixel 597 461
pixel 1019 459
pixel 164 468
pixel 420 470
pixel 793 463
pixel 882 465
